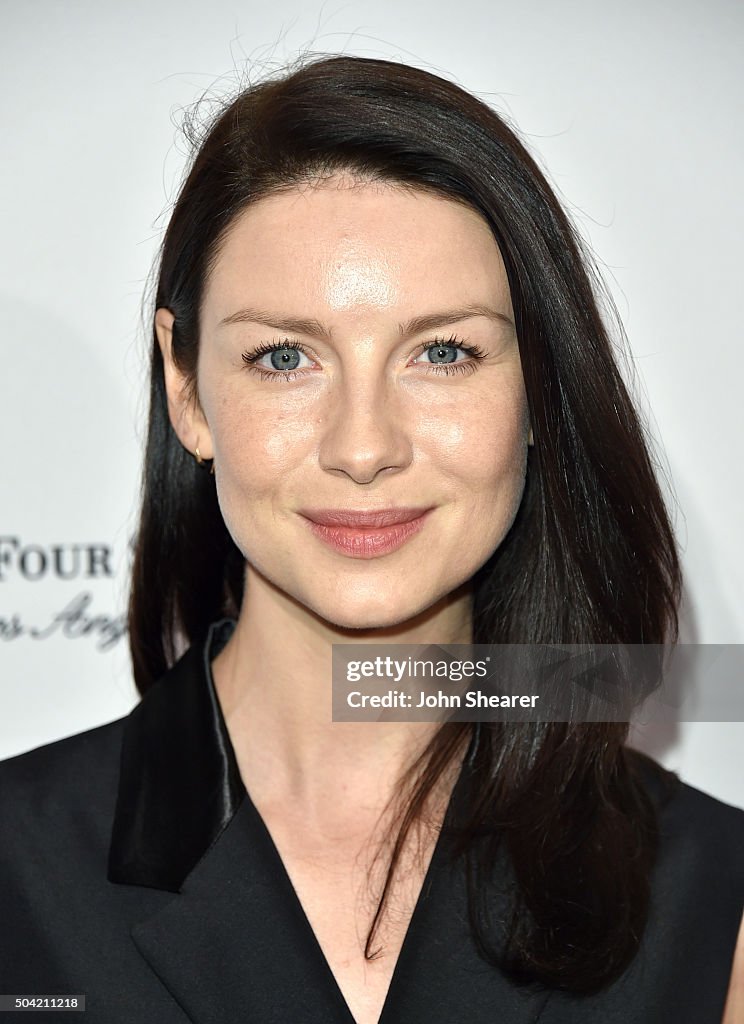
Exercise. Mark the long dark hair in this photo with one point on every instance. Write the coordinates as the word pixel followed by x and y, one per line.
pixel 590 557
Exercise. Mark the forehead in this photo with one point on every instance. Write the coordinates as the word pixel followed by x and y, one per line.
pixel 343 243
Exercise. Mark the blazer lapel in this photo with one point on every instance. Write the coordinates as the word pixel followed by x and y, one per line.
pixel 234 941
pixel 235 944
pixel 179 782
pixel 440 975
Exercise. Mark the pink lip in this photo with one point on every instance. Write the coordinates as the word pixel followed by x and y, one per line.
pixel 363 534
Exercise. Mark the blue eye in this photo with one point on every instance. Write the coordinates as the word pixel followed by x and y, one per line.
pixel 441 356
pixel 284 357
pixel 442 352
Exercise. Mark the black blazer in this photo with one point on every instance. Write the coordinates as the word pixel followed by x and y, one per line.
pixel 134 869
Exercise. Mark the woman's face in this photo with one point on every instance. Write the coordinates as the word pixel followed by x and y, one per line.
pixel 319 391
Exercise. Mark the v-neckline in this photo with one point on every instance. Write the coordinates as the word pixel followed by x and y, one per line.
pixel 387 1012
pixel 219 634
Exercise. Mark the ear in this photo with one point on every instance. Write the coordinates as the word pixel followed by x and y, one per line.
pixel 186 416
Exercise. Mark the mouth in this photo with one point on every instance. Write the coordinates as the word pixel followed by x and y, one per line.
pixel 365 534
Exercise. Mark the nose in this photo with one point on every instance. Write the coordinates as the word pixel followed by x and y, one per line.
pixel 367 432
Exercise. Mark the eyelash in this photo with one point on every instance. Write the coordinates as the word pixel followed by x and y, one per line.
pixel 250 358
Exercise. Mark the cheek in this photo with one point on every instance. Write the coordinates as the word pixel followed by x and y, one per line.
pixel 258 443
pixel 483 443
pixel 484 450
pixel 258 451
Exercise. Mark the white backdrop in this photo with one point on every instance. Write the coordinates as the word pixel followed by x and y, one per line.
pixel 635 109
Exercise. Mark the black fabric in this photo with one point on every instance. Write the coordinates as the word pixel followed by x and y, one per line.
pixel 135 869
pixel 179 784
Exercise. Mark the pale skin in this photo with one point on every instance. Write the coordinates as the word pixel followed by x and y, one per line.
pixel 734 1012
pixel 365 420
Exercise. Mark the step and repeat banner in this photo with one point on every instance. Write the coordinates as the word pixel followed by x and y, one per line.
pixel 630 109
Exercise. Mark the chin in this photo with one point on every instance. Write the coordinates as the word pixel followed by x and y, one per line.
pixel 365 619
pixel 372 613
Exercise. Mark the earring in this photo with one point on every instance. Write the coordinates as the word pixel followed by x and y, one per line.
pixel 200 460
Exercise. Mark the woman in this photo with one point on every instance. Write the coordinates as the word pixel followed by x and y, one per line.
pixel 371 311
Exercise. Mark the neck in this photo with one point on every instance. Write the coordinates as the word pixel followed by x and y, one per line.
pixel 273 681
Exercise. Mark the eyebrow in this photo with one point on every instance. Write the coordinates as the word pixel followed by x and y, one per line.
pixel 452 316
pixel 282 323
pixel 315 328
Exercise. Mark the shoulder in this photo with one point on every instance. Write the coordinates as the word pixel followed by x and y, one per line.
pixel 699 872
pixel 55 762
pixel 693 825
pixel 682 968
pixel 60 793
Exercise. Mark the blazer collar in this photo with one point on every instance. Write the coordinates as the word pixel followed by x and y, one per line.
pixel 179 782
